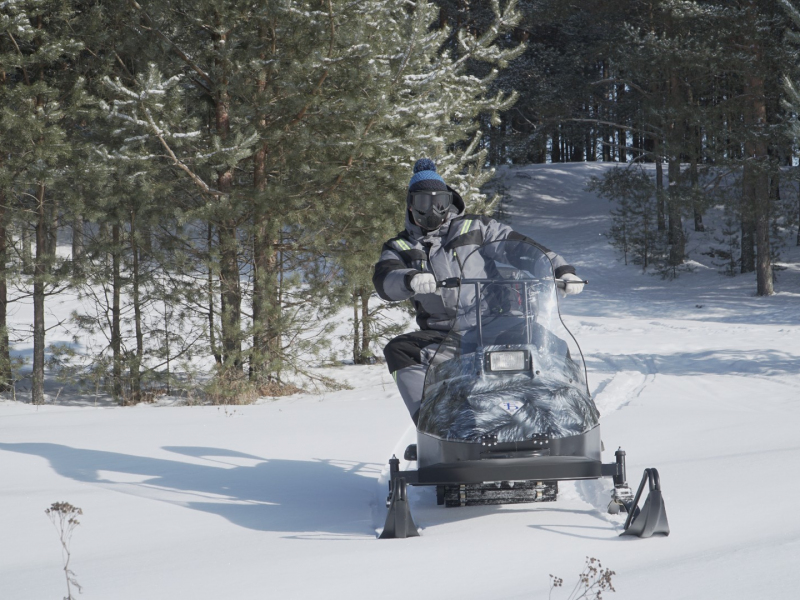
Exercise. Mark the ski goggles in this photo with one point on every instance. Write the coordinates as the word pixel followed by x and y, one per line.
pixel 422 202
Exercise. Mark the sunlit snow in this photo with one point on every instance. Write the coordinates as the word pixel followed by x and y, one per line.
pixel 284 499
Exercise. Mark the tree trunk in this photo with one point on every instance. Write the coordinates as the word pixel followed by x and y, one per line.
pixel 622 134
pixel 230 286
pixel 757 160
pixel 660 201
pixel 212 342
pixel 361 326
pixel 648 145
pixel 356 328
pixel 145 239
pixel 39 274
pixel 606 128
pixel 764 279
pixel 231 297
pixel 555 154
pixel 266 308
pixel 366 336
pixel 135 365
pixel 748 254
pixel 77 245
pixel 6 377
pixel 694 139
pixel 587 140
pixel 695 181
pixel 577 152
pixel 52 228
pixel 756 198
pixel 167 350
pixel 677 248
pixel 747 261
pixel 116 329
pixel 27 255
pixel 675 142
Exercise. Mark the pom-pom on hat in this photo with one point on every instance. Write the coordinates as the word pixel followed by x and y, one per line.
pixel 426 178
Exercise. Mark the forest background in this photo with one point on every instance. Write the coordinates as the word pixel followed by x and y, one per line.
pixel 214 179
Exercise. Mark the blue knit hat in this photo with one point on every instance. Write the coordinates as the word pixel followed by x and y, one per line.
pixel 426 178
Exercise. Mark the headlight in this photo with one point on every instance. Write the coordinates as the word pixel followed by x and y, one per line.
pixel 507 361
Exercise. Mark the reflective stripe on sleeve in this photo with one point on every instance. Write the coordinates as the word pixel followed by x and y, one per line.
pixel 466 226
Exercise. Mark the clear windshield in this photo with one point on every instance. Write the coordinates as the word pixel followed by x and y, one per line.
pixel 509 367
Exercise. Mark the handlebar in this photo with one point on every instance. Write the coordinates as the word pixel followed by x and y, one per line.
pixel 453 282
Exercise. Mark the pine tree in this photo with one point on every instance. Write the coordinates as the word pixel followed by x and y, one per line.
pixel 305 103
pixel 427 103
pixel 43 96
pixel 634 214
pixel 792 100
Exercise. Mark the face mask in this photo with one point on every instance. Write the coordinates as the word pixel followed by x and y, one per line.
pixel 430 208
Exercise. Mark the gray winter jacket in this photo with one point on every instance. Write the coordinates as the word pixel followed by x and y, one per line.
pixel 438 252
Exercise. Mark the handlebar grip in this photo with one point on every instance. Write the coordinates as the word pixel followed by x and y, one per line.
pixel 562 284
pixel 450 282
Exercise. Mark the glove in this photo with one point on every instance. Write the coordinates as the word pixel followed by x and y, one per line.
pixel 423 283
pixel 569 289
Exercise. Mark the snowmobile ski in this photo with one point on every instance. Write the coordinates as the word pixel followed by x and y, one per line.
pixel 652 518
pixel 399 523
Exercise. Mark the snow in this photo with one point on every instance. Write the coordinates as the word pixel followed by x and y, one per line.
pixel 697 377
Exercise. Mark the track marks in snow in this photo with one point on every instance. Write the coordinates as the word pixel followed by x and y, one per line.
pixel 597 493
pixel 594 493
pixel 631 374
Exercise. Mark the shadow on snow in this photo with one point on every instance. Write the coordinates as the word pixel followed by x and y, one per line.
pixel 711 362
pixel 270 495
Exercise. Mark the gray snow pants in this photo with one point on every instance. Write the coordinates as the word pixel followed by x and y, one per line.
pixel 408 357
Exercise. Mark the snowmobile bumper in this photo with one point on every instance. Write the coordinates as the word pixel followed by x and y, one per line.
pixel 446 462
pixel 540 468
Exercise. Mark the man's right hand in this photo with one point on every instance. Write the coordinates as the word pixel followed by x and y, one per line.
pixel 423 283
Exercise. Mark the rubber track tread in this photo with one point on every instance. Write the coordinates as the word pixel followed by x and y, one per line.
pixel 500 493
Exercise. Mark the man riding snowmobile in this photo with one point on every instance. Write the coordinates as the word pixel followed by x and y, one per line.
pixel 437 237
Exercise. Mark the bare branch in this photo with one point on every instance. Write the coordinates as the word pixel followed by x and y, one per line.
pixel 24 72
pixel 177 162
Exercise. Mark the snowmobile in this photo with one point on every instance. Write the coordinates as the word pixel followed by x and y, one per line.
pixel 506 410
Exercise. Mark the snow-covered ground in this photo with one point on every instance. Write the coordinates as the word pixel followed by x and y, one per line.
pixel 283 499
